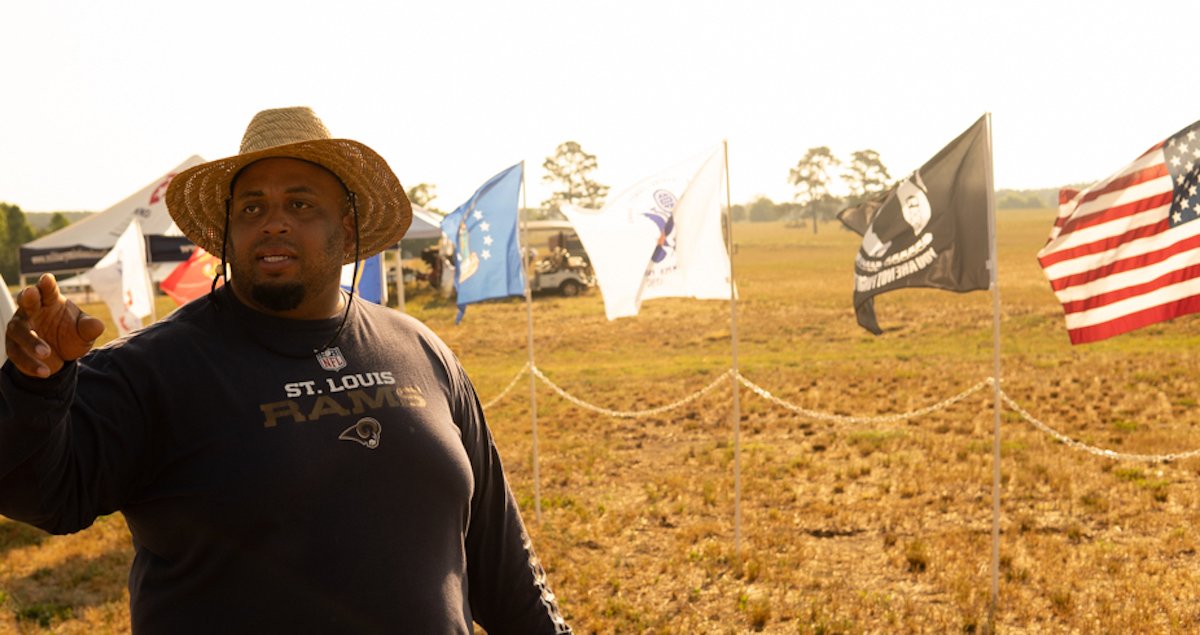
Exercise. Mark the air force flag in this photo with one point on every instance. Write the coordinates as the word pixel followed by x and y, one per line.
pixel 487 255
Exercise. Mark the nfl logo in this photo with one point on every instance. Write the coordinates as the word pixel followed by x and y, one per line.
pixel 331 359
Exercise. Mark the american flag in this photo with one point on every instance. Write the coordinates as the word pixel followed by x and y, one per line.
pixel 1124 253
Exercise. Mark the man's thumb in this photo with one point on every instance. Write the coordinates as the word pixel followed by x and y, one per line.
pixel 88 327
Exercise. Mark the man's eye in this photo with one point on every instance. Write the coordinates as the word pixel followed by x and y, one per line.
pixel 300 205
pixel 251 210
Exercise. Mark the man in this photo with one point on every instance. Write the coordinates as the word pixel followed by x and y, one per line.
pixel 289 458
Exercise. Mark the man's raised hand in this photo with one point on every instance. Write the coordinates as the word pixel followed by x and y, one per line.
pixel 48 330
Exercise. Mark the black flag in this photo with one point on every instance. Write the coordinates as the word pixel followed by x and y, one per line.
pixel 928 230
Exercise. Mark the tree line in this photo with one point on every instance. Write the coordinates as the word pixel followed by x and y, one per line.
pixel 570 171
pixel 15 230
pixel 862 174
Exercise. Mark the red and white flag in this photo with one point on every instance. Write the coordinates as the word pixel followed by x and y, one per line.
pixel 192 278
pixel 1125 252
pixel 1066 205
pixel 122 280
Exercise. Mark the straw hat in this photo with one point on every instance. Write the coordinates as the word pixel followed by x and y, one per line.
pixel 196 197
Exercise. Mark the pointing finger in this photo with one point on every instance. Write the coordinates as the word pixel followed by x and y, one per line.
pixel 29 300
pixel 47 285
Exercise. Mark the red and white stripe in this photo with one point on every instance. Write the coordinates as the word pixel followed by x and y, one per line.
pixel 1113 259
pixel 1066 205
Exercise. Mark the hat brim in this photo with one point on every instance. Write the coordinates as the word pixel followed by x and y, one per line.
pixel 196 197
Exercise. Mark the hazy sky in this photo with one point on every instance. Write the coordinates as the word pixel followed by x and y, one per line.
pixel 100 98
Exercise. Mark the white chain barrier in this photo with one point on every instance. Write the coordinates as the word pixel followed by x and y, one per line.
pixel 824 416
pixel 894 418
pixel 507 389
pixel 629 414
pixel 1091 449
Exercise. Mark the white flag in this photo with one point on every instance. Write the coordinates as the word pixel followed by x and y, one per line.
pixel 7 308
pixel 123 281
pixel 660 238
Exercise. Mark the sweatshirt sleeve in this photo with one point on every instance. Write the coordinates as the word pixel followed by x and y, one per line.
pixel 508 589
pixel 63 461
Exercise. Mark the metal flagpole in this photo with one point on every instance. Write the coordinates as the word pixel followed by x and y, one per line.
pixel 149 274
pixel 996 404
pixel 537 484
pixel 737 406
pixel 150 283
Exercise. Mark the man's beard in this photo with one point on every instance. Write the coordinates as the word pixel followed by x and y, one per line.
pixel 283 296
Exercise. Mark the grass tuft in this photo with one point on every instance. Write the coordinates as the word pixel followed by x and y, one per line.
pixel 846 528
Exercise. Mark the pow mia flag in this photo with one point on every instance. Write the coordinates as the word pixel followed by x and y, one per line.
pixel 928 230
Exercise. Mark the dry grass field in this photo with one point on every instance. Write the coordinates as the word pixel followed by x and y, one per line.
pixel 846 528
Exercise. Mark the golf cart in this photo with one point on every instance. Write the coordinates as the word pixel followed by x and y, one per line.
pixel 561 270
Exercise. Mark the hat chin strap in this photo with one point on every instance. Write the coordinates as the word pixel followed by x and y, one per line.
pixel 220 273
pixel 353 279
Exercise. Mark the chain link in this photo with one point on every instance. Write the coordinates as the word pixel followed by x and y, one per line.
pixel 630 414
pixel 822 416
pixel 1091 449
pixel 504 393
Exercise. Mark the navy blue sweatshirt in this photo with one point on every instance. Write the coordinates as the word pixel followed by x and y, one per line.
pixel 268 490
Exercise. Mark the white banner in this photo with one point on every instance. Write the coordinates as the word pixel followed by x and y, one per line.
pixel 660 238
pixel 123 281
pixel 7 308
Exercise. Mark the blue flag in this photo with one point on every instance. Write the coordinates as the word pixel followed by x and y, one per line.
pixel 370 285
pixel 487 258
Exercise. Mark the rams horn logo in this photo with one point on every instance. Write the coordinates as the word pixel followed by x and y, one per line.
pixel 366 432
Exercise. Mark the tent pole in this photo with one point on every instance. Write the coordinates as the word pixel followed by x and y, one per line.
pixel 149 275
pixel 399 276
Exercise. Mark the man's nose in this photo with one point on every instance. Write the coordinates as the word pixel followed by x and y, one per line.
pixel 276 219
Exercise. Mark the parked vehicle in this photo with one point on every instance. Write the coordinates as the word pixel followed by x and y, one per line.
pixel 565 268
pixel 556 263
pixel 562 272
